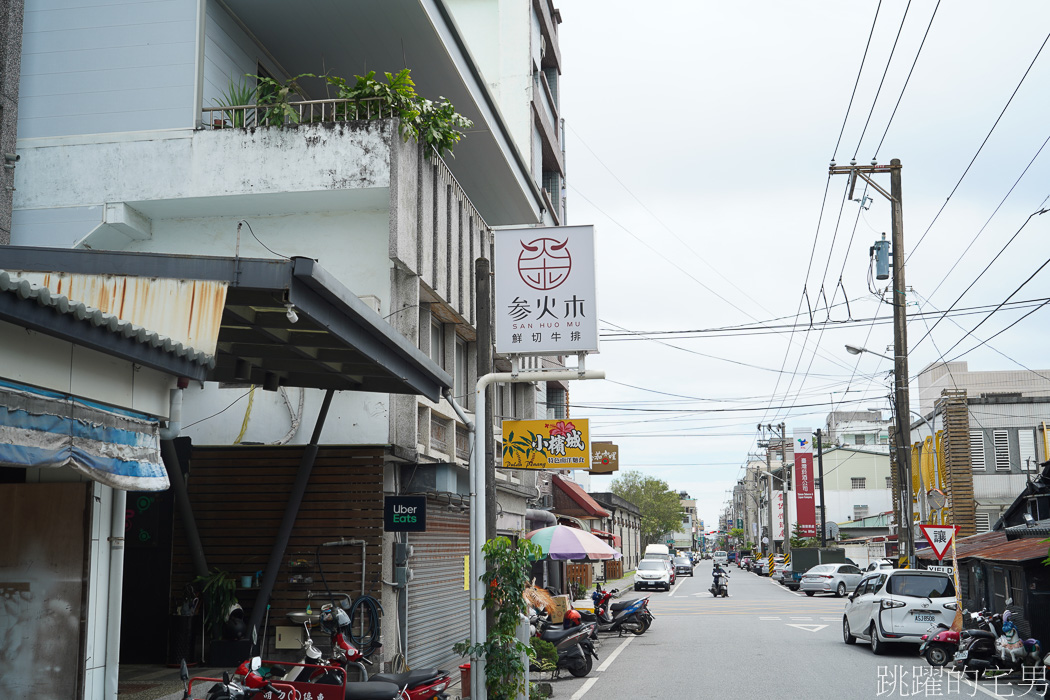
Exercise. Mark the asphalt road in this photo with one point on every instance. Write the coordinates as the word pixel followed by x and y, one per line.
pixel 762 641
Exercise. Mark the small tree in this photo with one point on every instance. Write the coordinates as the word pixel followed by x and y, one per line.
pixel 505 580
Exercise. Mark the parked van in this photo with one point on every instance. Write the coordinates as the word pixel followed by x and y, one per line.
pixel 653 551
pixel 722 558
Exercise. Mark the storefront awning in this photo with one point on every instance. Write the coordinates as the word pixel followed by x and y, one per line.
pixel 271 322
pixel 46 429
pixel 614 539
pixel 571 499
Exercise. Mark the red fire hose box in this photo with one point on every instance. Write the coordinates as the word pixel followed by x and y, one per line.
pixel 464 681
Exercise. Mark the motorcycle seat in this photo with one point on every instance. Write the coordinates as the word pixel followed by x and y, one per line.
pixel 979 633
pixel 372 690
pixel 554 635
pixel 623 604
pixel 410 678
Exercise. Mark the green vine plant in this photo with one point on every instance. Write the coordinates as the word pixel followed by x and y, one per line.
pixel 509 566
pixel 435 125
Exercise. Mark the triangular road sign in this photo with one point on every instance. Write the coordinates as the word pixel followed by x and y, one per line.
pixel 809 628
pixel 939 537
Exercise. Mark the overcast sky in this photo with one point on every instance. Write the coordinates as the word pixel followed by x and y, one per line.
pixel 699 136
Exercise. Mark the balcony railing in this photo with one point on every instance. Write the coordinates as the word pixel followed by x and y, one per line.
pixel 304 112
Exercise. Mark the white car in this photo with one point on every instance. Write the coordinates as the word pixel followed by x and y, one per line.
pixel 897 605
pixel 652 573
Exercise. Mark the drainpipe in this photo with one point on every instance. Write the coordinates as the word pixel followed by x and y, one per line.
pixel 116 585
pixel 198 76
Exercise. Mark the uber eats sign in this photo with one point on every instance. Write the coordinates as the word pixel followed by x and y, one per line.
pixel 405 514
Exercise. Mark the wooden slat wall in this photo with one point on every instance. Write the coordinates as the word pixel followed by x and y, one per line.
pixel 239 495
pixel 959 470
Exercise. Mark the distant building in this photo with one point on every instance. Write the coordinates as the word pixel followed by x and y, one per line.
pixel 866 429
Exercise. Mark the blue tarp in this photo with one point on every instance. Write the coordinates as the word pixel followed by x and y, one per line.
pixel 47 429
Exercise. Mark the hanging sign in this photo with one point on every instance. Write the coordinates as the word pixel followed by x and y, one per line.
pixel 405 514
pixel 545 296
pixel 805 507
pixel 605 458
pixel 546 444
pixel 939 537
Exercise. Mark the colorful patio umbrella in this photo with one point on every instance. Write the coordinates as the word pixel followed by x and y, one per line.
pixel 563 542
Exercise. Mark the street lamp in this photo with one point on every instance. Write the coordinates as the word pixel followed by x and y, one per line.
pixel 853 350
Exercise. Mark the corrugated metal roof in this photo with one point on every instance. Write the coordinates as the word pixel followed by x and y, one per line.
pixel 966 546
pixel 24 289
pixel 1017 550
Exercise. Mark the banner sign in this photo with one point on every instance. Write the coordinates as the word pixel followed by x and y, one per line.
pixel 405 514
pixel 805 507
pixel 605 457
pixel 778 514
pixel 546 444
pixel 545 300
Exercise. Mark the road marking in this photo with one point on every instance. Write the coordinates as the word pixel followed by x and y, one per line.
pixel 768 618
pixel 583 691
pixel 802 618
pixel 675 589
pixel 612 656
pixel 808 628
pixel 830 619
pixel 974 684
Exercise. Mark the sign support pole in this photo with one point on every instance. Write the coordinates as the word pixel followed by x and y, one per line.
pixel 478 624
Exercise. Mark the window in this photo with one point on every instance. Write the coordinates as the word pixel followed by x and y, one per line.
pixel 555 402
pixel 860 439
pixel 889 482
pixel 858 482
pixel 1026 449
pixel 461 371
pixel 981 521
pixel 977 450
pixel 860 512
pixel 437 343
pixel 1001 446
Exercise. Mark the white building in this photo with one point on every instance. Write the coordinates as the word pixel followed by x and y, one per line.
pixel 1008 412
pixel 867 429
pixel 118 152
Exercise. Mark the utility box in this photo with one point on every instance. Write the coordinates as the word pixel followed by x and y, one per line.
pixel 288 637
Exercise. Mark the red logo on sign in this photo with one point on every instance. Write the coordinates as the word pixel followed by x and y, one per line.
pixel 544 263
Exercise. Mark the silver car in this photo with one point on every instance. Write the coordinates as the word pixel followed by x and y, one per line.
pixel 898 605
pixel 830 578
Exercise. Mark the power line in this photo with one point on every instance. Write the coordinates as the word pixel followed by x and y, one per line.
pixel 883 80
pixel 906 81
pixel 860 70
pixel 979 149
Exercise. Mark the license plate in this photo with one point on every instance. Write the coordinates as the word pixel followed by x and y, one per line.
pixel 960 655
pixel 925 617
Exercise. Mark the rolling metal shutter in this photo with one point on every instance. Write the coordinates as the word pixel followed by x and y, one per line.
pixel 438 607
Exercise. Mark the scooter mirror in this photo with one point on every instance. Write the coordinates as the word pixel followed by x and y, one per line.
pixel 225 677
pixel 184 673
pixel 256 663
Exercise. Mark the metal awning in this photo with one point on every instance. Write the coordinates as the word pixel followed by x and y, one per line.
pixel 332 341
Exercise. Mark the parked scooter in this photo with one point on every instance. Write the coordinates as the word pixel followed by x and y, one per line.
pixel 575 650
pixel 976 652
pixel 940 642
pixel 720 585
pixel 613 607
pixel 631 616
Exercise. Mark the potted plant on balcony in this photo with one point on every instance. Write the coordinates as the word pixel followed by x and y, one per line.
pixel 218 592
pixel 242 95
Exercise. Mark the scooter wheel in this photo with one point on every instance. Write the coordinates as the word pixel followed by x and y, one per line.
pixel 937 656
pixel 582 667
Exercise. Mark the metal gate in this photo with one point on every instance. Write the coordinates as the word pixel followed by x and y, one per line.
pixel 438 607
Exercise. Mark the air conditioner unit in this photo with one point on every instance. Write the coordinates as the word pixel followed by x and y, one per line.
pixel 546 501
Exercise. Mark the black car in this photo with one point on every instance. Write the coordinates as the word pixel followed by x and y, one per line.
pixel 683 566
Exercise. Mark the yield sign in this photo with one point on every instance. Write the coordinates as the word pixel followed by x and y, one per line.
pixel 939 537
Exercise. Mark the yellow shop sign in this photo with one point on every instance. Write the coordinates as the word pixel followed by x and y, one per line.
pixel 546 444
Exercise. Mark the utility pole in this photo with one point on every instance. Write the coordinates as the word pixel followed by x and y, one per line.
pixel 902 408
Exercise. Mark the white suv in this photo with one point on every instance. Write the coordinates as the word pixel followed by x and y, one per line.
pixel 897 605
pixel 653 573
